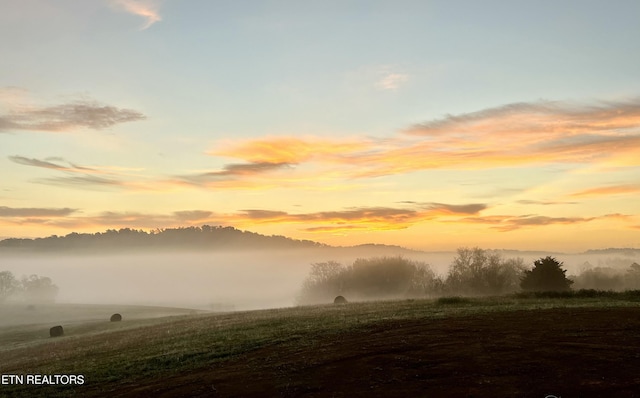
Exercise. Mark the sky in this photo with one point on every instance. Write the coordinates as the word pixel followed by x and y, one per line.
pixel 426 124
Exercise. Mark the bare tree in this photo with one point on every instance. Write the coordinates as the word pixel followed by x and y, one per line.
pixel 479 272
pixel 8 285
pixel 325 281
pixel 39 289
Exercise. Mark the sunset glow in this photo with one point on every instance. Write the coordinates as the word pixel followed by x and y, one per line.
pixel 413 124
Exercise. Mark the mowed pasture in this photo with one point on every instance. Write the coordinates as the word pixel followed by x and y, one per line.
pixel 29 324
pixel 502 346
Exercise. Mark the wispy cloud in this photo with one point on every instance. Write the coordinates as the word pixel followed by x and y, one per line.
pixel 82 181
pixel 391 81
pixel 550 118
pixel 358 218
pixel 233 171
pixel 608 190
pixel 192 215
pixel 291 150
pixel 49 164
pixel 506 223
pixel 35 212
pixel 231 176
pixel 544 203
pixel 95 177
pixel 379 218
pixel 114 219
pixel 362 218
pixel 148 9
pixel 66 117
pixel 473 208
pixel 514 135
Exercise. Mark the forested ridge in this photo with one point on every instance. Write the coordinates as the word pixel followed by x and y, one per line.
pixel 204 237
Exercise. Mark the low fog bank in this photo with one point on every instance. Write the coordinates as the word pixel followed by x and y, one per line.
pixel 217 281
pixel 234 280
pixel 212 281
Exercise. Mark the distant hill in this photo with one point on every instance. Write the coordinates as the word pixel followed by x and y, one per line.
pixel 209 237
pixel 613 250
pixel 205 238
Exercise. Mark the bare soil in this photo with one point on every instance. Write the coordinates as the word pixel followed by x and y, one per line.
pixel 557 352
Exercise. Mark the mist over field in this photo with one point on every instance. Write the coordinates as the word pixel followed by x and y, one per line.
pixel 230 280
pixel 196 280
pixel 234 280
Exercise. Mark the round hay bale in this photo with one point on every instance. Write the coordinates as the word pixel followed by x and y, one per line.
pixel 56 331
pixel 340 300
pixel 116 318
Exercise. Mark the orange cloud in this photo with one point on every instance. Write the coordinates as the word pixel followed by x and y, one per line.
pixel 364 218
pixel 608 190
pixel 513 135
pixel 291 150
pixel 361 218
pixel 549 119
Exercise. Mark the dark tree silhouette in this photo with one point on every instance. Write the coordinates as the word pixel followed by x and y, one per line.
pixel 547 275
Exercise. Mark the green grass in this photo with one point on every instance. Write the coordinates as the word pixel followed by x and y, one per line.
pixel 21 326
pixel 629 295
pixel 453 300
pixel 134 350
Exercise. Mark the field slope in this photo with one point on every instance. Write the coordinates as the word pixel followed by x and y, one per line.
pixel 519 347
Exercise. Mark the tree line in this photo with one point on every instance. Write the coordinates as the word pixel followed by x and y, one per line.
pixel 473 272
pixel 31 289
pixel 203 237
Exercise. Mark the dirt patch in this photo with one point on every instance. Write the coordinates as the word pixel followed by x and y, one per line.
pixel 560 352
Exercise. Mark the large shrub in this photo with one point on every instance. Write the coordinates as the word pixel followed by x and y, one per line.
pixel 547 275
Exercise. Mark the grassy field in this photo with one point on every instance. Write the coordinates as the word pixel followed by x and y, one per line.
pixel 155 344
